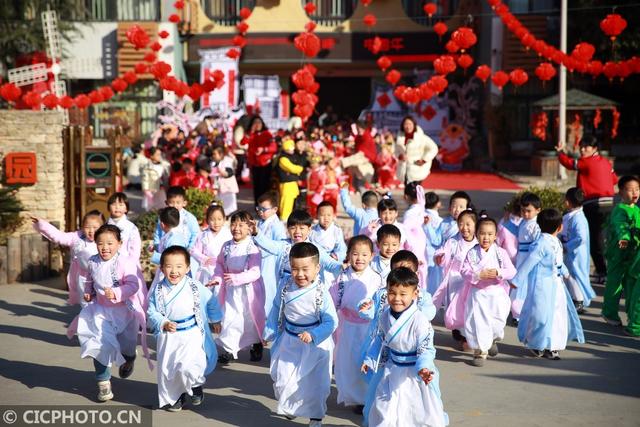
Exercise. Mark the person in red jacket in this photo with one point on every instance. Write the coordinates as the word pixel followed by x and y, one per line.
pixel 596 179
pixel 261 149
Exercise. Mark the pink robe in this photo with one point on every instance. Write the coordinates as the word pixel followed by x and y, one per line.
pixel 506 239
pixel 371 231
pixel 417 243
pixel 131 241
pixel 208 246
pixel 81 251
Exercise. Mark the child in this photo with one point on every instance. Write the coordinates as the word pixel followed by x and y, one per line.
pixel 434 273
pixel 388 214
pixel 155 176
pixel 327 235
pixel 169 220
pixel 386 164
pixel 209 243
pixel 83 247
pixel 388 241
pixel 301 325
pixel 507 237
pixel 413 222
pixel 223 172
pixel 548 318
pixel 188 227
pixel 108 327
pixel 450 258
pixel 484 301
pixel 202 180
pixel 288 176
pixel 575 242
pixel 316 182
pixel 356 283
pixel 363 216
pixel 528 232
pixel 242 292
pixel 437 234
pixel 408 393
pixel 186 351
pixel 622 245
pixel 118 205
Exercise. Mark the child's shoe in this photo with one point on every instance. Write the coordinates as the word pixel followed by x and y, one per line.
pixel 552 354
pixel 198 396
pixel 256 352
pixel 176 407
pixel 104 391
pixel 126 369
pixel 225 358
pixel 493 350
pixel 579 306
pixel 537 353
pixel 479 358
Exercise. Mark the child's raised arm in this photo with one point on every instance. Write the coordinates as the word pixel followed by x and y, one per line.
pixel 53 234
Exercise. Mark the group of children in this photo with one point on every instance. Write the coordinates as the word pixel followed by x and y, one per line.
pixel 361 310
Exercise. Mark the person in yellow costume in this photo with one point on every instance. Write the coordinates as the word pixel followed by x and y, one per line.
pixel 288 175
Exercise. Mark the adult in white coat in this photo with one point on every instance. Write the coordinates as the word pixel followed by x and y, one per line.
pixel 415 152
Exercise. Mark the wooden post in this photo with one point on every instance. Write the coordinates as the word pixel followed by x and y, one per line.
pixel 14 259
pixel 3 265
pixel 39 255
pixel 26 267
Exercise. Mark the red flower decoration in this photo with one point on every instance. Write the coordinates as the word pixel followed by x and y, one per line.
pixel 430 9
pixel 483 72
pixel 613 25
pixel 242 27
pixel 393 77
pixel 383 63
pixel 245 13
pixel 309 8
pixel 163 34
pixel 174 18
pixel 137 37
pixel 50 101
pixel 369 20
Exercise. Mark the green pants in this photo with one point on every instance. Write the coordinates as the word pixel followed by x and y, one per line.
pixel 619 280
pixel 633 298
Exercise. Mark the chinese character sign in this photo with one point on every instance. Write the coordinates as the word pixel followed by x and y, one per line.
pixel 20 168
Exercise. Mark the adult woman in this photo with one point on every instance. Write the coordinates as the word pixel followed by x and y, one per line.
pixel 415 152
pixel 261 149
pixel 596 179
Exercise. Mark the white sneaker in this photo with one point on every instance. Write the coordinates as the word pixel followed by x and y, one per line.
pixel 315 423
pixel 104 391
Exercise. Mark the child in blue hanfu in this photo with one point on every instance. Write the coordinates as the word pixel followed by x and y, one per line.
pixel 548 318
pixel 300 326
pixel 408 393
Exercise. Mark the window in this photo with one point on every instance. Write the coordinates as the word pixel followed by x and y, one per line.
pixel 225 11
pixel 413 9
pixel 117 10
pixel 331 12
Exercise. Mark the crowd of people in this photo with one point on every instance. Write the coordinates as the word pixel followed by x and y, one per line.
pixel 358 310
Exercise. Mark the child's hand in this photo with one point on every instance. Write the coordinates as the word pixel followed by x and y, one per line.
pixel 305 337
pixel 170 326
pixel 228 278
pixel 365 306
pixel 426 375
pixel 34 219
pixel 87 297
pixel 210 261
pixel 364 368
pixel 109 293
pixel 344 184
pixel 622 244
pixel 253 227
pixel 427 218
pixel 215 327
pixel 487 274
pixel 512 286
pixel 150 247
pixel 439 259
pixel 213 283
pixel 334 256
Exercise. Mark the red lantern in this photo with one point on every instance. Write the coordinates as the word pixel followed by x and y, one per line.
pixel 624 70
pixel 95 97
pixel 398 92
pixel 451 46
pixel 155 46
pixel 310 68
pixel 106 92
pixel 307 43
pixel 140 68
pixel 444 65
pixel 518 77
pixel 163 34
pixel 195 91
pixel 440 28
pixel 365 3
pixel 174 18
pixel 426 93
pixel 10 92
pixel 430 9
pixel 483 72
pixel 82 101
pixel 616 122
pixel 119 85
pixel 137 37
pixel 383 63
pixel 411 95
pixel 376 45
pixel 634 64
pixel 303 79
pixel 179 4
pixel 545 71
pixel 464 37
pixel 242 27
pixel 529 41
pixel 233 53
pixel 309 8
pixel 613 25
pixel 159 70
pixel 310 26
pixel 610 69
pixel 66 102
pixel 32 99
pixel 130 77
pixel 393 77
pixel 500 78
pixel 50 101
pixel 239 41
pixel 465 61
pixel 583 52
pixel 369 20
pixel 438 84
pixel 244 13
pixel 595 68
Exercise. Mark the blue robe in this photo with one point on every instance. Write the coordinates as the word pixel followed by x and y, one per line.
pixel 188 226
pixel 437 235
pixel 575 240
pixel 272 229
pixel 362 217
pixel 528 232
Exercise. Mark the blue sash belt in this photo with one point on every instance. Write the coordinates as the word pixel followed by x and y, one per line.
pixel 181 323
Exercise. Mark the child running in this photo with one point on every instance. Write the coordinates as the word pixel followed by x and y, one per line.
pixel 180 313
pixel 388 214
pixel 408 393
pixel 169 222
pixel 242 292
pixel 118 205
pixel 83 247
pixel 326 234
pixel 363 216
pixel 301 325
pixel 434 273
pixel 177 198
pixel 388 241
pixel 548 318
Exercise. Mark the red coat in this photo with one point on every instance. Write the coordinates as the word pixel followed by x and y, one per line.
pixel 595 175
pixel 367 145
pixel 263 140
pixel 201 182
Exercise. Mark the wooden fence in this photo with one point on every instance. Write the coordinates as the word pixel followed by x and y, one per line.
pixel 25 258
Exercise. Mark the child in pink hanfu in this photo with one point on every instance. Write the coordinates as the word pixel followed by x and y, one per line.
pixel 209 243
pixel 507 237
pixel 357 283
pixel 242 291
pixel 451 257
pixel 83 247
pixel 485 298
pixel 108 327
pixel 118 205
pixel 413 222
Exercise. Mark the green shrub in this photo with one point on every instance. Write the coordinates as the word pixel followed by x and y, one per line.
pixel 146 223
pixel 10 208
pixel 551 197
pixel 199 201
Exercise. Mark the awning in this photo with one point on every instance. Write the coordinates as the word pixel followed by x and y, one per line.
pixel 577 100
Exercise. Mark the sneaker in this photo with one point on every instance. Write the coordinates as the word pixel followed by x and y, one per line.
pixel 176 407
pixel 104 391
pixel 493 350
pixel 537 353
pixel 477 361
pixel 552 354
pixel 126 369
pixel 612 322
pixel 256 352
pixel 579 306
pixel 225 358
pixel 198 396
pixel 315 423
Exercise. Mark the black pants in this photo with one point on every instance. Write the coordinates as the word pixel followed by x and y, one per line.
pixel 240 161
pixel 261 180
pixel 597 215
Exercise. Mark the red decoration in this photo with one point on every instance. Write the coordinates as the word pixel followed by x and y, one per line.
pixel 610 70
pixel 195 91
pixel 440 28
pixel 429 112
pixel 242 27
pixel 307 43
pixel 140 68
pixel 398 92
pixel 451 46
pixel 163 34
pixel 159 70
pixel 82 101
pixel 20 168
pixel 545 71
pixel 66 102
pixel 426 93
pixel 150 57
pixel 233 53
pixel 438 84
pixel 464 37
pixel 376 45
pixel 155 46
pixel 10 92
pixel 32 99
pixel 137 37
pixel 365 3
pixel 597 118
pixel 483 72
pixel 384 100
pixel 539 125
pixel 583 52
pixel 96 97
pixel 244 13
pixel 393 77
pixel 369 20
pixel 119 85
pixel 310 8
pixel 444 65
pixel 179 4
pixel 384 62
pixel 613 25
pixel 518 77
pixel 411 95
pixel 130 77
pixel 239 41
pixel 50 101
pixel 327 44
pixel 595 68
pixel 465 61
pixel 310 26
pixel 106 92
pixel 303 79
pixel 615 124
pixel 311 68
pixel 430 9
pixel 174 18
pixel 500 78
